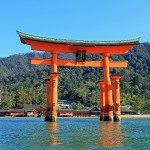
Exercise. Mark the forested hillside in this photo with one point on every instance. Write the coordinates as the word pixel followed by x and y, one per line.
pixel 21 82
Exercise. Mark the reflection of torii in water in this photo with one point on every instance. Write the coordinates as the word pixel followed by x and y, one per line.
pixel 53 130
pixel 104 48
pixel 111 134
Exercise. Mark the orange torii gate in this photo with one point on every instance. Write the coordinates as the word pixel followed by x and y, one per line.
pixel 110 92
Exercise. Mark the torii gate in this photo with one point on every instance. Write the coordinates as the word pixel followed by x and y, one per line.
pixel 110 92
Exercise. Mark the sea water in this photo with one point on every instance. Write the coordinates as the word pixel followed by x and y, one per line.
pixel 74 134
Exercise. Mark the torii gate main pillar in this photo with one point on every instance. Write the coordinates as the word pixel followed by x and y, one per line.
pixel 108 116
pixel 52 91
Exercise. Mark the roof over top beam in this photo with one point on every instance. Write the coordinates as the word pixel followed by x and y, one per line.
pixel 63 45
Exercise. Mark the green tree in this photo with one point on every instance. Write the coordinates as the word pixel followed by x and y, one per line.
pixel 7 101
pixel 79 106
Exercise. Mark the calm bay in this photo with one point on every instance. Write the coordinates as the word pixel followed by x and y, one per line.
pixel 74 134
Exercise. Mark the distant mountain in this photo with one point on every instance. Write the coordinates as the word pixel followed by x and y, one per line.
pixel 19 78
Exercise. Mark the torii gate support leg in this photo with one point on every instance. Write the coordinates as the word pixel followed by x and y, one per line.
pixel 108 91
pixel 102 99
pixel 48 102
pixel 54 97
pixel 116 91
pixel 53 90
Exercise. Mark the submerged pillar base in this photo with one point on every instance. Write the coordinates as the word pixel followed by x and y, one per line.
pixel 117 118
pixel 50 118
pixel 108 118
pixel 114 118
pixel 101 118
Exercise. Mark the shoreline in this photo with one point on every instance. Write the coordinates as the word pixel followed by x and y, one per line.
pixel 122 116
pixel 136 116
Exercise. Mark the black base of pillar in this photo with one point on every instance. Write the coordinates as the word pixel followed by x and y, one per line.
pixel 50 119
pixel 117 118
pixel 101 118
pixel 108 118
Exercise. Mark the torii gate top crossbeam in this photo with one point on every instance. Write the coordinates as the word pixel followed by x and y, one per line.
pixel 71 46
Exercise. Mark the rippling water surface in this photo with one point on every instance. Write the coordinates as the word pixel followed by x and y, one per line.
pixel 74 134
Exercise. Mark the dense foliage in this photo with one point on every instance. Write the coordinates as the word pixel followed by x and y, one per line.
pixel 21 82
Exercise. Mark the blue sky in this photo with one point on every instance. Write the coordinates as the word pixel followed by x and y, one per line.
pixel 72 19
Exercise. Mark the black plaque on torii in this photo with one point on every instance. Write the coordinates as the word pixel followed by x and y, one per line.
pixel 80 55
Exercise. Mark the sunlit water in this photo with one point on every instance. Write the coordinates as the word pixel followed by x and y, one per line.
pixel 74 134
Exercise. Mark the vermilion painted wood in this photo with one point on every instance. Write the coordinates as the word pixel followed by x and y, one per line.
pixel 60 62
pixel 66 48
pixel 56 46
pixel 116 91
pixel 102 100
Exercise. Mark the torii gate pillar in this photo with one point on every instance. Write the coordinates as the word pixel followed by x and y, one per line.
pixel 52 91
pixel 108 116
pixel 116 91
pixel 48 102
pixel 102 100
